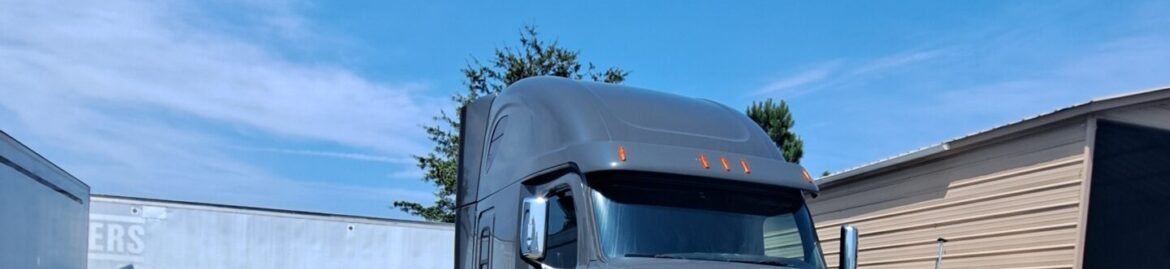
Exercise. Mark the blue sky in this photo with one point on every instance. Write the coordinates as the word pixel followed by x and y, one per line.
pixel 315 105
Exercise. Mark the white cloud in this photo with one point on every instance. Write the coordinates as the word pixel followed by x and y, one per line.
pixel 135 98
pixel 1117 66
pixel 341 155
pixel 131 53
pixel 407 174
pixel 833 74
pixel 813 74
pixel 991 74
pixel 896 60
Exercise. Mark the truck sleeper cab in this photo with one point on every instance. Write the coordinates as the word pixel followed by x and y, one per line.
pixel 557 173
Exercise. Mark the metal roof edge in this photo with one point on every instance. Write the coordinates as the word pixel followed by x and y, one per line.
pixel 263 211
pixel 831 179
pixel 922 154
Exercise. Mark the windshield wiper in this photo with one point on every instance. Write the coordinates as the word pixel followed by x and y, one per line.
pixel 645 255
pixel 764 262
pixel 660 256
pixel 723 257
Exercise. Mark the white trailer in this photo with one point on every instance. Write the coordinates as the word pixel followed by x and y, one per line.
pixel 126 232
pixel 43 208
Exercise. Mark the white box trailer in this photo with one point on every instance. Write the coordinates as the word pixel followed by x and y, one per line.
pixel 43 208
pixel 126 232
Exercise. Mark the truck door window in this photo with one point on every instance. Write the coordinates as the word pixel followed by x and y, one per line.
pixel 562 232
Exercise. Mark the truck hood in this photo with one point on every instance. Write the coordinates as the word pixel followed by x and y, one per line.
pixel 655 263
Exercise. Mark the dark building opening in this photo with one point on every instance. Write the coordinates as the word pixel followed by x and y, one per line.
pixel 1129 206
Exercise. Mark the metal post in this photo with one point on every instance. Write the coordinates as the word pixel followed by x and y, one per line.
pixel 941 251
pixel 848 256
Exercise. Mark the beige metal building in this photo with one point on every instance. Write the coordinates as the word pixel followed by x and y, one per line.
pixel 1086 186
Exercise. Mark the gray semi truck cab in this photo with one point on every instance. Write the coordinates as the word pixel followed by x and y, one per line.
pixel 558 173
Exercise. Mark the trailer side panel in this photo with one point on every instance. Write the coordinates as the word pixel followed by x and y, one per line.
pixel 44 211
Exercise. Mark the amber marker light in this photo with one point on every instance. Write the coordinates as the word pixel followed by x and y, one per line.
pixel 703 161
pixel 723 161
pixel 746 169
pixel 807 178
pixel 622 153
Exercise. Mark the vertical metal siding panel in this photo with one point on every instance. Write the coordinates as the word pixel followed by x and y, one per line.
pixel 1086 183
pixel 1012 204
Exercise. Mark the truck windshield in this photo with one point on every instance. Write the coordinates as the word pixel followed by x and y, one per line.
pixel 676 217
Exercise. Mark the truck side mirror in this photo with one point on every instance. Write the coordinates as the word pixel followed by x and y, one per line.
pixel 848 247
pixel 532 228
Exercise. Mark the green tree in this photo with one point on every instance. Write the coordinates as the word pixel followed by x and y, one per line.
pixel 532 58
pixel 777 121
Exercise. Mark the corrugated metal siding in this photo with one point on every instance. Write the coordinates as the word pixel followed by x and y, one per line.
pixel 142 234
pixel 1010 204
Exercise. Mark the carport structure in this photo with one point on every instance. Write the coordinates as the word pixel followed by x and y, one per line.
pixel 1086 186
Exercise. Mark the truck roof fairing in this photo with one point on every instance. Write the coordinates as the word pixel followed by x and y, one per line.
pixel 543 122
